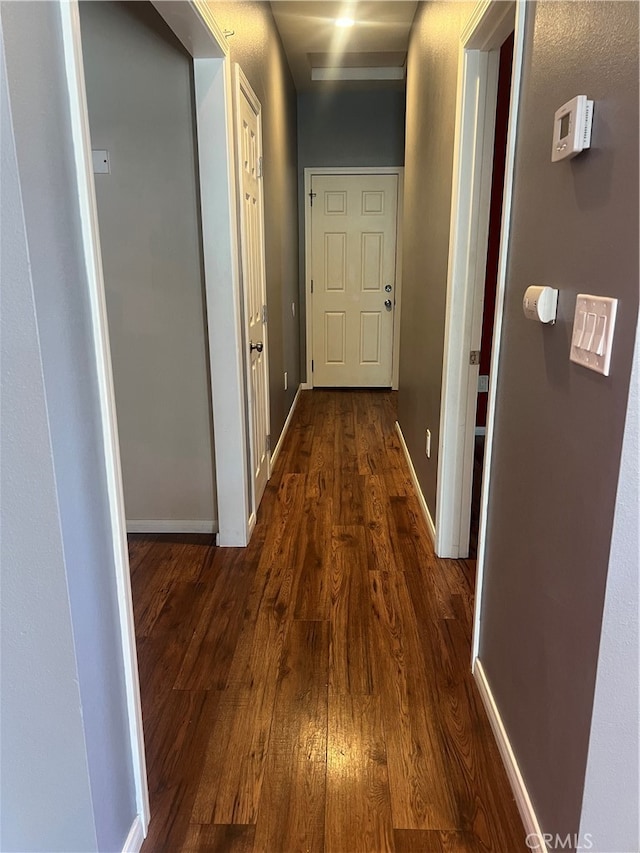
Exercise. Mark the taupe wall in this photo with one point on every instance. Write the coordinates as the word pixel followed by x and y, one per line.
pixel 140 98
pixel 431 98
pixel 256 46
pixel 345 129
pixel 559 427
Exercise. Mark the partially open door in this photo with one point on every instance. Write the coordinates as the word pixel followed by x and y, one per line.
pixel 249 160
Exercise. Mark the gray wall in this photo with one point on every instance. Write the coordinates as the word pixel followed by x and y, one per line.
pixel 611 802
pixel 345 129
pixel 67 781
pixel 432 71
pixel 140 97
pixel 575 226
pixel 351 128
pixel 256 46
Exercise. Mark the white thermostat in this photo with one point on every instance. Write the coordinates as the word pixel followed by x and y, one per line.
pixel 572 128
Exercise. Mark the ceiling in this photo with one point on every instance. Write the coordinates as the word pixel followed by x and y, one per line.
pixel 370 54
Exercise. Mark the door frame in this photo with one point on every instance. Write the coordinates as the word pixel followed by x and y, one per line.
pixel 309 172
pixel 478 64
pixel 242 86
pixel 195 27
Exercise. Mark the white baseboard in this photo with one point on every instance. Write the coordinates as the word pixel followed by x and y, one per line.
pixel 416 485
pixel 306 386
pixel 523 801
pixel 135 838
pixel 251 526
pixel 161 525
pixel 278 447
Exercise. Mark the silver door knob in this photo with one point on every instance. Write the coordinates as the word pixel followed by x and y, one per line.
pixel 388 288
pixel 388 304
pixel 259 346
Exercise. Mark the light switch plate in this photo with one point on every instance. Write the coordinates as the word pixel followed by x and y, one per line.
pixel 593 327
pixel 101 164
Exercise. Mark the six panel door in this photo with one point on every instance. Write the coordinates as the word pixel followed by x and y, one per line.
pixel 353 263
pixel 254 284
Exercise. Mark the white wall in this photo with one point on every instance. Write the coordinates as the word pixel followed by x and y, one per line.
pixel 45 797
pixel 140 98
pixel 611 803
pixel 67 774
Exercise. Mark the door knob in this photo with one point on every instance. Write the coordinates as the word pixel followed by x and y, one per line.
pixel 387 304
pixel 388 288
pixel 259 346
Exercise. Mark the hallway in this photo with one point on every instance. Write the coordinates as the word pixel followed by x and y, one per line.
pixel 313 692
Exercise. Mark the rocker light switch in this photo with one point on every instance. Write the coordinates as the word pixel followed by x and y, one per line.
pixel 593 326
pixel 601 335
pixel 579 324
pixel 589 332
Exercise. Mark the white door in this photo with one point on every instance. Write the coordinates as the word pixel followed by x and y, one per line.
pixel 353 265
pixel 249 149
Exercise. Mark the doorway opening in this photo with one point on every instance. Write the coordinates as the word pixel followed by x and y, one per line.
pixel 490 26
pixel 140 97
pixel 491 280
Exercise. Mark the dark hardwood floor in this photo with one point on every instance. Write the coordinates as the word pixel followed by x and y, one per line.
pixel 313 691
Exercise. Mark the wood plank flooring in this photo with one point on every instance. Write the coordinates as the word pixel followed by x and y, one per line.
pixel 312 692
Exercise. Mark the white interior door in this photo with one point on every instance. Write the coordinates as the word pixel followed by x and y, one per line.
pixel 353 268
pixel 249 147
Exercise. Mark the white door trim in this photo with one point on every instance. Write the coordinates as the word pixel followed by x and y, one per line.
pixel 362 170
pixel 478 82
pixel 518 52
pixel 242 86
pixel 72 45
pixel 219 211
pixel 193 25
pixel 489 25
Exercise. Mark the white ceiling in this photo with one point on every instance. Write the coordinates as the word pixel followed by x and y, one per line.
pixel 378 40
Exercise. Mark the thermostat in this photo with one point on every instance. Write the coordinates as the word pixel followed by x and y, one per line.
pixel 572 128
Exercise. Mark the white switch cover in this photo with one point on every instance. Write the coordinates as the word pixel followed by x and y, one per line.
pixel 592 337
pixel 101 164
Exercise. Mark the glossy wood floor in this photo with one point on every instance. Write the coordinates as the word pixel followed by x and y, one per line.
pixel 312 692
